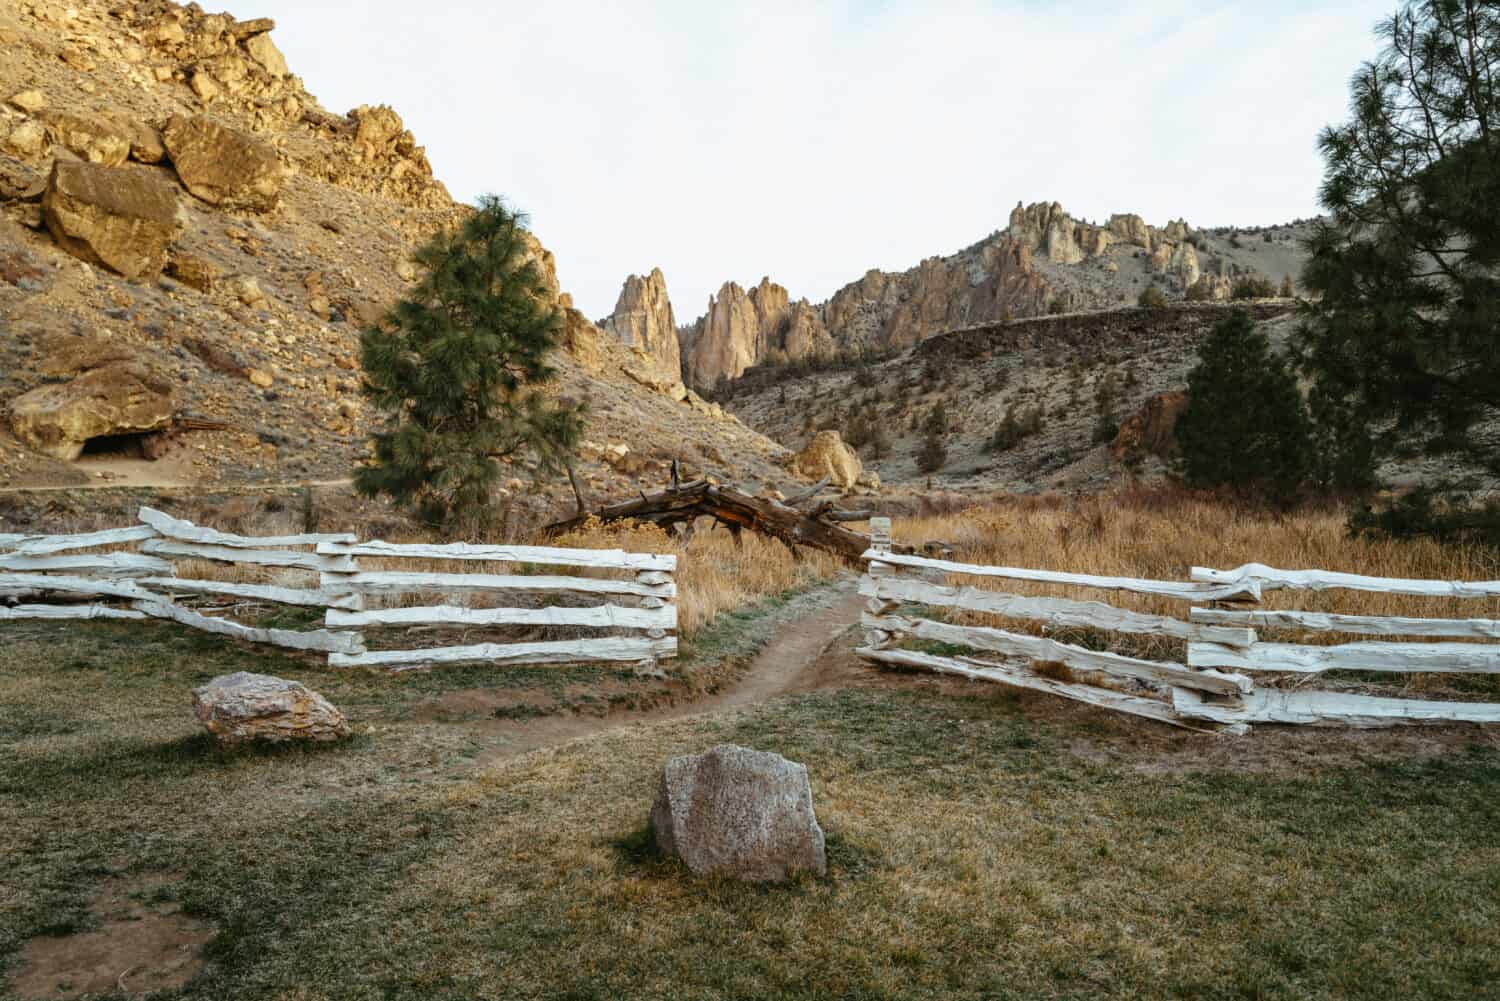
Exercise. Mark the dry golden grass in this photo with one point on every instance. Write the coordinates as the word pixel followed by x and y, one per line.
pixel 715 573
pixel 1163 534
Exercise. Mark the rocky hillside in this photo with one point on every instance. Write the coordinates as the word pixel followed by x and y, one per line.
pixel 1043 262
pixel 190 243
pixel 1071 402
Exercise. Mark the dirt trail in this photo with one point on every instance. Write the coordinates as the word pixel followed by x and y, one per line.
pixel 787 664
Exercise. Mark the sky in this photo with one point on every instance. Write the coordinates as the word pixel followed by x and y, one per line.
pixel 812 141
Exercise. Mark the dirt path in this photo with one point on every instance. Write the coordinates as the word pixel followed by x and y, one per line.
pixel 787 664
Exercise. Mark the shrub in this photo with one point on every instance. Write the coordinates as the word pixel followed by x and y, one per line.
pixel 1152 297
pixel 1253 287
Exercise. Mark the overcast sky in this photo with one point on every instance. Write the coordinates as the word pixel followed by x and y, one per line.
pixel 811 140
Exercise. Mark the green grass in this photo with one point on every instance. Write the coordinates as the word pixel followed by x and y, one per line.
pixel 972 853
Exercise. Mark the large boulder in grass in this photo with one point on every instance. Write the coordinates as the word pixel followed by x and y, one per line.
pixel 124 218
pixel 224 166
pixel 242 707
pixel 740 813
pixel 826 456
pixel 118 398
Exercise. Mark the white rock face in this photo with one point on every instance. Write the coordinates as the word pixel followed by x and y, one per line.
pixel 243 707
pixel 738 812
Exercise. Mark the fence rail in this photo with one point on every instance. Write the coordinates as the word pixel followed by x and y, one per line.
pixel 44 577
pixel 1227 680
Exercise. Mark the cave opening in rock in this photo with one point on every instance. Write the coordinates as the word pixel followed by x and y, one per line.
pixel 132 445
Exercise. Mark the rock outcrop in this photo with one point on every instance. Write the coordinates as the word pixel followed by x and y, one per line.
pixel 118 398
pixel 124 218
pixel 739 330
pixel 736 812
pixel 882 311
pixel 224 166
pixel 242 707
pixel 643 321
pixel 92 137
pixel 1152 429
pixel 828 456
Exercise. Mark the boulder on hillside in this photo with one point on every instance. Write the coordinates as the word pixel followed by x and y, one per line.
pixel 827 455
pixel 223 166
pixel 66 355
pixel 121 217
pixel 1152 429
pixel 740 813
pixel 93 137
pixel 241 707
pixel 119 398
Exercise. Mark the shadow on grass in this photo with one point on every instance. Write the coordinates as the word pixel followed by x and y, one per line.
pixel 181 757
pixel 636 853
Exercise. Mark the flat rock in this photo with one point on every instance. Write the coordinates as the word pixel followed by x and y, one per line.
pixel 123 218
pixel 738 812
pixel 119 398
pixel 242 707
pixel 223 166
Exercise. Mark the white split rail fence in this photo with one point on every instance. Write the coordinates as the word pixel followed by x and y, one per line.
pixel 1216 688
pixel 38 583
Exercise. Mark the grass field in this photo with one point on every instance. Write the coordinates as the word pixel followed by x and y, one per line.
pixel 975 849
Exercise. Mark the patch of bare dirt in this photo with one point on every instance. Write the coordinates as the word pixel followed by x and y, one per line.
pixel 140 945
pixel 780 668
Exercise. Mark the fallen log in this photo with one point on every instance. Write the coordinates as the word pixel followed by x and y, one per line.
pixel 737 510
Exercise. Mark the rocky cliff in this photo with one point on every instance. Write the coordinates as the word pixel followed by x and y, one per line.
pixel 1045 260
pixel 190 245
pixel 643 321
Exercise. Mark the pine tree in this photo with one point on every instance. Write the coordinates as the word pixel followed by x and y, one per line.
pixel 933 454
pixel 456 367
pixel 1405 271
pixel 1245 425
pixel 937 419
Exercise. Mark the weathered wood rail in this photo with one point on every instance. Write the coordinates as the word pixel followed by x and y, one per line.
pixel 50 577
pixel 1228 679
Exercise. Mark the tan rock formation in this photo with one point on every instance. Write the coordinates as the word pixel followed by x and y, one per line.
pixel 827 456
pixel 93 137
pixel 806 336
pixel 1131 228
pixel 120 398
pixel 121 217
pixel 738 331
pixel 1152 429
pixel 1184 264
pixel 27 140
pixel 643 320
pixel 222 165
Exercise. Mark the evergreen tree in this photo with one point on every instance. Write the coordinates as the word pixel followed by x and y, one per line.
pixel 456 367
pixel 1245 425
pixel 933 454
pixel 1288 287
pixel 1405 271
pixel 1106 422
pixel 937 419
